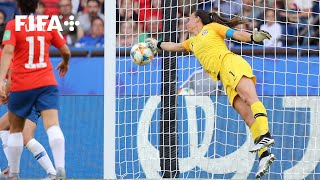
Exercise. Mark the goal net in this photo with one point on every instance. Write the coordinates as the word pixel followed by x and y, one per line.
pixel 173 120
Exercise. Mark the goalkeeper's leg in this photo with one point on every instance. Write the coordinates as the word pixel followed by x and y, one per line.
pixel 259 121
pixel 265 158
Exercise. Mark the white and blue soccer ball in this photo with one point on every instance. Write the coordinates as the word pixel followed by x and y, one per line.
pixel 141 54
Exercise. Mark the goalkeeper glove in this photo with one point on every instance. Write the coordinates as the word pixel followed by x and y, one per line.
pixel 258 36
pixel 153 44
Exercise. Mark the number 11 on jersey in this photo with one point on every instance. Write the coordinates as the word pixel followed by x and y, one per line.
pixel 31 64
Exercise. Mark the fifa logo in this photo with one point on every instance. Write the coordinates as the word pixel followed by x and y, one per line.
pixel 44 23
pixel 71 22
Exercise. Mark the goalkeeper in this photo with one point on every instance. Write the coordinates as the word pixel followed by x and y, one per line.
pixel 207 43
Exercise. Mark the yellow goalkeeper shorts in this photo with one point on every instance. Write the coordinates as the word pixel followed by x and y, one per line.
pixel 233 68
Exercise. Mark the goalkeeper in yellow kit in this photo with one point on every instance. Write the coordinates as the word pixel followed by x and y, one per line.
pixel 207 43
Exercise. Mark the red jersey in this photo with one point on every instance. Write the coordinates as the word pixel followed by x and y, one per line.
pixel 144 9
pixel 10 67
pixel 31 66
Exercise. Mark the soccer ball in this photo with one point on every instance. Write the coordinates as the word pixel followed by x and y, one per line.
pixel 141 54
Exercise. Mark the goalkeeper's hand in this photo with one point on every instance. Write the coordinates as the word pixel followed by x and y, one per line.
pixel 258 36
pixel 152 44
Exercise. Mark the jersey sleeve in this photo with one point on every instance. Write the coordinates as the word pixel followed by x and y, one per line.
pixel 220 29
pixel 187 45
pixel 9 34
pixel 57 39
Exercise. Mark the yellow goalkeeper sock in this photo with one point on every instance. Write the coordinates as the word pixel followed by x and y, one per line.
pixel 260 114
pixel 261 151
pixel 255 131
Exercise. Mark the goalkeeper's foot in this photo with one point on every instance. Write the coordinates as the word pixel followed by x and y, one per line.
pixel 264 164
pixel 264 141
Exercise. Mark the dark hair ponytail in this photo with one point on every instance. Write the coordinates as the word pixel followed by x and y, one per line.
pixel 208 18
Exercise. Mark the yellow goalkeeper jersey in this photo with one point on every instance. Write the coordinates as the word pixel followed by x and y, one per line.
pixel 209 47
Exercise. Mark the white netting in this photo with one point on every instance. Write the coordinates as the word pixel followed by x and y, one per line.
pixel 213 139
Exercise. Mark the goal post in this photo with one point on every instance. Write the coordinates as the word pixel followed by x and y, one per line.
pixel 169 162
pixel 109 90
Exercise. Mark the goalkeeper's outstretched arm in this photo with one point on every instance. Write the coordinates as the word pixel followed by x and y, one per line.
pixel 167 46
pixel 242 36
pixel 256 36
pixel 172 47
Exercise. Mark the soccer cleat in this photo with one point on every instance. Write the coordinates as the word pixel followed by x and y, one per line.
pixel 50 177
pixel 61 174
pixel 264 141
pixel 264 165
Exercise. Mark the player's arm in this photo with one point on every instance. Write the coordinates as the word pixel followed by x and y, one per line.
pixel 256 36
pixel 8 84
pixel 170 46
pixel 6 57
pixel 9 43
pixel 65 53
pixel 59 42
pixel 7 54
pixel 167 46
pixel 64 64
pixel 7 87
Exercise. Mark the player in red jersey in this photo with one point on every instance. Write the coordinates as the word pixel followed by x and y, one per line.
pixel 29 141
pixel 33 85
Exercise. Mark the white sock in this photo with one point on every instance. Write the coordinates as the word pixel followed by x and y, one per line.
pixel 41 156
pixel 4 137
pixel 15 147
pixel 56 141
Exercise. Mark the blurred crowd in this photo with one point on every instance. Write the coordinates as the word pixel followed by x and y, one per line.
pixel 89 13
pixel 290 22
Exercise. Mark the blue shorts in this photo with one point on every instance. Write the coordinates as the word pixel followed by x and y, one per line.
pixel 34 116
pixel 21 103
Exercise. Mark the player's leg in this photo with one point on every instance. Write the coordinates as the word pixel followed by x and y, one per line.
pixel 56 139
pixel 38 151
pixel 19 107
pixel 236 73
pixel 4 122
pixel 233 71
pixel 246 113
pixel 265 158
pixel 247 91
pixel 4 133
pixel 15 143
pixel 47 104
